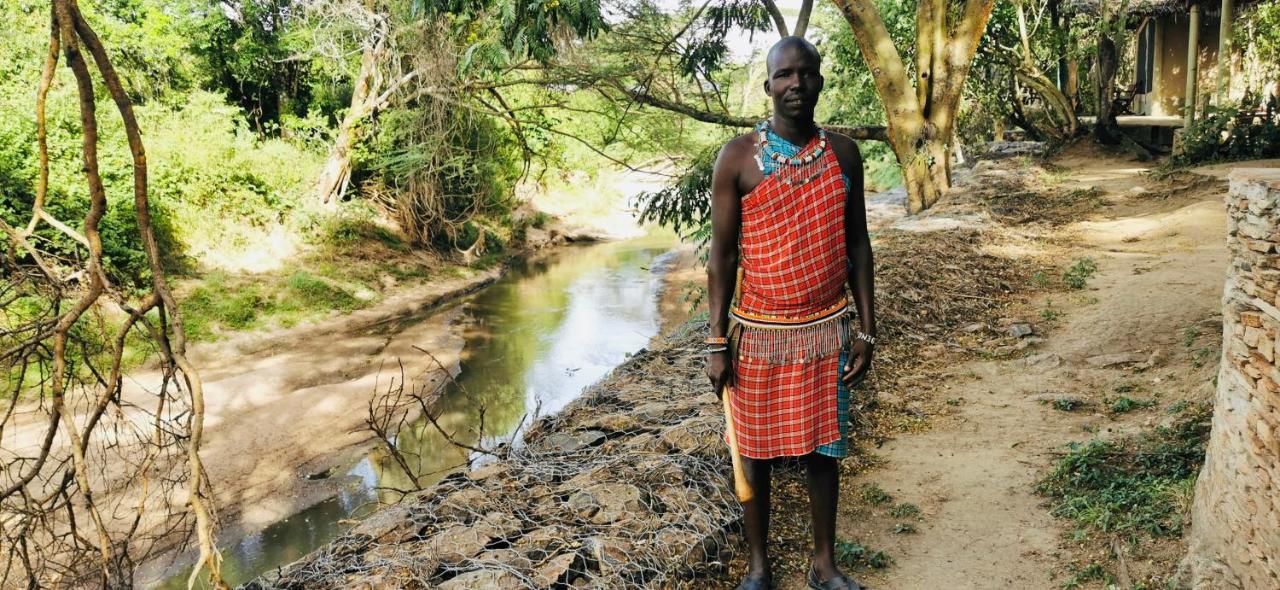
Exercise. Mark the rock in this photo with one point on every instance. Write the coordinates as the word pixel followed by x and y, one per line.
pixel 609 554
pixel 999 150
pixel 617 501
pixel 558 570
pixel 1157 358
pixel 584 505
pixel 463 505
pixel 1054 396
pixel 391 525
pixel 488 471
pixel 971 328
pixel 1021 329
pixel 571 441
pixel 487 578
pixel 506 557
pixel 456 544
pixel 700 434
pixel 1103 361
pixel 1042 362
pixel 542 543
pixel 499 525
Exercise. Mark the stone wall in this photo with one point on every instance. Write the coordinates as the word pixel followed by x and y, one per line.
pixel 1235 533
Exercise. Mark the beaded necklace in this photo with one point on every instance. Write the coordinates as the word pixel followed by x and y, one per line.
pixel 805 165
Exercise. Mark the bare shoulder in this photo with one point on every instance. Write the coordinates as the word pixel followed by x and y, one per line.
pixel 846 148
pixel 735 151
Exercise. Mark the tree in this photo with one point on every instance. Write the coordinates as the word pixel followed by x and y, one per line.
pixel 921 120
pixel 96 491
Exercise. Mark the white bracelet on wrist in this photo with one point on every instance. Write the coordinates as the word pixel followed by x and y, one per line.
pixel 865 337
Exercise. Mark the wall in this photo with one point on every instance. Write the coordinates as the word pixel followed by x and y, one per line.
pixel 1170 85
pixel 1235 534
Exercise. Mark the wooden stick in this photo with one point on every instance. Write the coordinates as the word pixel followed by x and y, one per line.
pixel 740 484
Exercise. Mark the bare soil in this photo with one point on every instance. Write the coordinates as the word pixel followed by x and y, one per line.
pixel 1160 252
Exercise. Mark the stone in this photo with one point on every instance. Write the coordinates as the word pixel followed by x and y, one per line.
pixel 571 441
pixel 507 558
pixel 463 505
pixel 699 434
pixel 584 505
pixel 971 328
pixel 456 544
pixel 617 501
pixel 1103 361
pixel 539 544
pixel 1042 362
pixel 498 525
pixel 558 570
pixel 484 472
pixel 1021 329
pixel 486 578
pixel 609 554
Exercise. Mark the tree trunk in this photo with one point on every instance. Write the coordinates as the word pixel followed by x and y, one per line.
pixel 921 120
pixel 1106 130
pixel 1030 75
pixel 336 173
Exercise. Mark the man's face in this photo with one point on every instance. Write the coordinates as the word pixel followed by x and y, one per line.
pixel 794 83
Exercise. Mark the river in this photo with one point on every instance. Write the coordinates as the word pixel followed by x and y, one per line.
pixel 533 341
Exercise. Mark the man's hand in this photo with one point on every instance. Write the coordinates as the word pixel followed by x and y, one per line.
pixel 720 371
pixel 858 363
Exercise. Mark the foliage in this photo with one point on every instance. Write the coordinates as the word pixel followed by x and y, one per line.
pixel 854 555
pixel 1259 31
pixel 874 494
pixel 1077 275
pixel 1134 487
pixel 1232 133
pixel 1124 404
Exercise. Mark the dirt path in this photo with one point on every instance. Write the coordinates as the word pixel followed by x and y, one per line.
pixel 1161 260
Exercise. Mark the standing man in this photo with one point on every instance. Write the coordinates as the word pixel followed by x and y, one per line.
pixel 787 205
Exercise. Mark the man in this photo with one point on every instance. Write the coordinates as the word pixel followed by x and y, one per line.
pixel 787 203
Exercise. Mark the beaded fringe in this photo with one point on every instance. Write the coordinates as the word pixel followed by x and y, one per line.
pixel 780 346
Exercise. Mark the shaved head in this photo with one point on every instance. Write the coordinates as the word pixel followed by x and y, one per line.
pixel 797 43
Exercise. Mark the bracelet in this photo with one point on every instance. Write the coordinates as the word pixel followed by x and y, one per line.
pixel 716 340
pixel 865 337
pixel 717 349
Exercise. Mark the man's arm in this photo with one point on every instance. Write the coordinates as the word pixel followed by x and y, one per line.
pixel 858 249
pixel 722 261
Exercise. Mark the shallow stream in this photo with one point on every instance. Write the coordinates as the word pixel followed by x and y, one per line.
pixel 534 340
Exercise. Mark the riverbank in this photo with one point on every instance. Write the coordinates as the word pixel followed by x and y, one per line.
pixel 628 486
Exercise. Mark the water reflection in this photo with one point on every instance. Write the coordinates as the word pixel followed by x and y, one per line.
pixel 534 341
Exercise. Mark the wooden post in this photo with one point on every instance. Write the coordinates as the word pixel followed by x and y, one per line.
pixel 1224 51
pixel 1193 67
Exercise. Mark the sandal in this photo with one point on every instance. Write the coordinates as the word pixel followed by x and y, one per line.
pixel 753 584
pixel 838 582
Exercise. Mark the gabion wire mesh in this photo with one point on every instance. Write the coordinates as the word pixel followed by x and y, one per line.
pixel 628 487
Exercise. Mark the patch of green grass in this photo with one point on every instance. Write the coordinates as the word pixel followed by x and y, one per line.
pixel 217 305
pixel 905 510
pixel 1179 407
pixel 1066 404
pixel 1040 280
pixel 1135 487
pixel 1201 355
pixel 1189 335
pixel 874 495
pixel 1077 275
pixel 313 292
pixel 904 528
pixel 1079 576
pixel 1049 314
pixel 1125 404
pixel 854 555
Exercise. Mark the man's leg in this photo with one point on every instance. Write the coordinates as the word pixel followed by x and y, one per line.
pixel 824 489
pixel 756 517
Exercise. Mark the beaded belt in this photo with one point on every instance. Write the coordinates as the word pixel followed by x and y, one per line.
pixel 784 322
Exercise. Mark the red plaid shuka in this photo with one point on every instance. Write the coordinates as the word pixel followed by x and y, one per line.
pixel 792 307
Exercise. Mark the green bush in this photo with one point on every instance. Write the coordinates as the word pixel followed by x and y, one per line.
pixel 1220 135
pixel 1132 487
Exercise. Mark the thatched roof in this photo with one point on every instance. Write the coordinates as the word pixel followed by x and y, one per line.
pixel 1144 7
